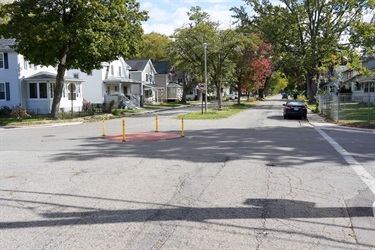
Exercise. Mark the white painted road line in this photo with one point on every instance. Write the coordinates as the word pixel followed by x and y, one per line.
pixel 367 178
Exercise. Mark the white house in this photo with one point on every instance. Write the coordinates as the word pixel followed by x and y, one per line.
pixel 31 86
pixel 111 82
pixel 360 87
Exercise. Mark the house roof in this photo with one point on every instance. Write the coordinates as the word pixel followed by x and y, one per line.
pixel 114 79
pixel 137 65
pixel 152 86
pixel 174 84
pixel 6 43
pixel 50 77
pixel 162 67
pixel 367 79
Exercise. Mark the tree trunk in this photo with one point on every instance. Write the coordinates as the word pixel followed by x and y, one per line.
pixel 311 89
pixel 261 93
pixel 239 91
pixel 218 93
pixel 59 85
pixel 184 88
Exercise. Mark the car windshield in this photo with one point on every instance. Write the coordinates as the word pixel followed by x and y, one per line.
pixel 296 103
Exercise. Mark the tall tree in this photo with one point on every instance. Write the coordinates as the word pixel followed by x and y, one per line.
pixel 188 49
pixel 306 30
pixel 73 33
pixel 155 47
pixel 260 67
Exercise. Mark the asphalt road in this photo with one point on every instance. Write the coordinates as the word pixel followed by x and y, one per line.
pixel 253 181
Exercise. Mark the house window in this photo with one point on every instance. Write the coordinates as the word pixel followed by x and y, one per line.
pixel 1 60
pixel 372 87
pixel 112 71
pixel 72 91
pixel 116 88
pixel 365 89
pixel 75 75
pixel 42 90
pixel 119 71
pixel 33 89
pixel 52 89
pixel 146 77
pixel 2 90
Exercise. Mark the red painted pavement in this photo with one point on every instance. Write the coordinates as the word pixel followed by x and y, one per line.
pixel 143 136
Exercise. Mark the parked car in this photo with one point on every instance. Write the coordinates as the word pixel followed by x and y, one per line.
pixel 233 96
pixel 284 96
pixel 295 109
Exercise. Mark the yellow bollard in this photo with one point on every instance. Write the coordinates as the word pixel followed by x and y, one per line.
pixel 103 128
pixel 157 124
pixel 182 132
pixel 123 130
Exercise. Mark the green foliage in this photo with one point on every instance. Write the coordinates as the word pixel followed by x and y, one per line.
pixel 214 114
pixel 155 47
pixel 90 32
pixel 304 34
pixel 70 34
pixel 277 82
pixel 5 111
pixel 188 50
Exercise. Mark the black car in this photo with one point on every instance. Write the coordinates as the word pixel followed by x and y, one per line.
pixel 284 96
pixel 295 109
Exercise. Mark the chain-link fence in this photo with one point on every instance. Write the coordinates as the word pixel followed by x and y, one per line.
pixel 349 109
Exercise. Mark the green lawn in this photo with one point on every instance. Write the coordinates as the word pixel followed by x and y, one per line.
pixel 354 113
pixel 225 112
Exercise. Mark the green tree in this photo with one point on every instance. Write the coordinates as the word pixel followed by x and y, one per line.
pixel 243 53
pixel 189 50
pixel 305 32
pixel 363 36
pixel 276 83
pixel 73 33
pixel 155 47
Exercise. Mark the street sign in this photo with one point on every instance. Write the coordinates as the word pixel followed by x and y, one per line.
pixel 201 86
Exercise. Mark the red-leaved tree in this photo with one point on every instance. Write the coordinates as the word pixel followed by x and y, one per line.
pixel 259 69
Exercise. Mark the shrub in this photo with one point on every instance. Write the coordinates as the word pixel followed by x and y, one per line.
pixel 5 111
pixel 116 111
pixel 19 113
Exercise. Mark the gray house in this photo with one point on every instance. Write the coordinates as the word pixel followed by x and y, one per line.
pixel 171 89
pixel 143 71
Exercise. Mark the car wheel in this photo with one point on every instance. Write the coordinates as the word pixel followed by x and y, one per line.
pixel 305 117
pixel 284 116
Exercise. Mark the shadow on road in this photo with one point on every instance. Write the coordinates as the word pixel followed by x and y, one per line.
pixel 281 146
pixel 251 209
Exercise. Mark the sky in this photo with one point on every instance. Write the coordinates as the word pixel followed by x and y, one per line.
pixel 167 15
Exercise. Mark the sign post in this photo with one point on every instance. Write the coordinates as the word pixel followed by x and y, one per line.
pixel 201 87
